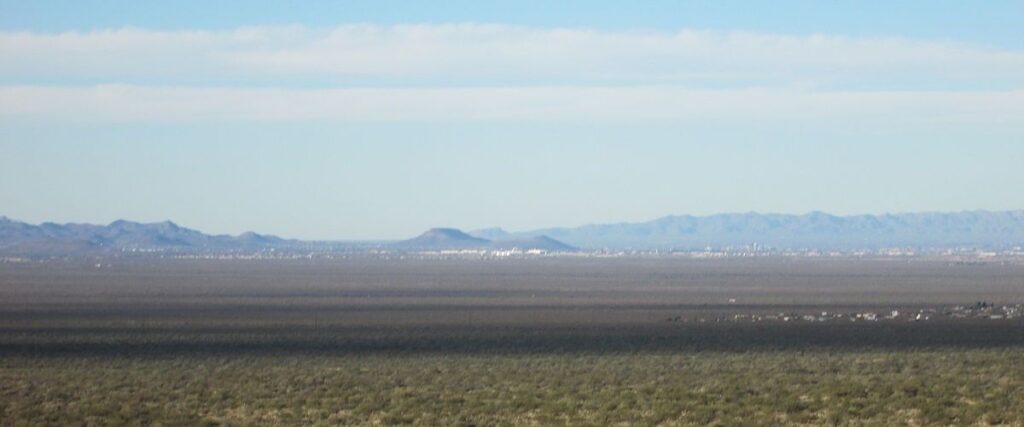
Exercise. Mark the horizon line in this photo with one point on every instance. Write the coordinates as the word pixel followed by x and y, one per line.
pixel 463 229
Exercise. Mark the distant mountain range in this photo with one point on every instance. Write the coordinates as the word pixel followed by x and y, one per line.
pixel 61 239
pixel 50 239
pixel 450 238
pixel 816 230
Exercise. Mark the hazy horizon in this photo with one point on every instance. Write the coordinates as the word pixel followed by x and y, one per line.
pixel 515 232
pixel 797 212
pixel 370 120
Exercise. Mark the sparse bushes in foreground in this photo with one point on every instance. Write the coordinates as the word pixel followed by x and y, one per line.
pixel 706 388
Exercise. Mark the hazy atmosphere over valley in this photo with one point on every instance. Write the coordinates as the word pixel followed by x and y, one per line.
pixel 366 120
pixel 511 213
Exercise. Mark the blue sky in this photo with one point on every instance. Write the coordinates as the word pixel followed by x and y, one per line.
pixel 361 120
pixel 995 22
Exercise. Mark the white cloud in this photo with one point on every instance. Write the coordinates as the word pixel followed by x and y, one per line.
pixel 474 72
pixel 124 103
pixel 500 54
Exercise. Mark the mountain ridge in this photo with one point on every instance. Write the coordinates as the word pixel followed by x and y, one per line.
pixel 817 230
pixel 452 238
pixel 442 237
pixel 50 238
pixel 980 229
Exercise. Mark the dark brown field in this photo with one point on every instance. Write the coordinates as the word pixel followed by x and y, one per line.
pixel 542 341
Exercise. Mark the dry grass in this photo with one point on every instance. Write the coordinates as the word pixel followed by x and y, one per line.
pixel 521 343
pixel 941 387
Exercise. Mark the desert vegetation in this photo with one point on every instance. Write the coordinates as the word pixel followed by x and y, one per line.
pixel 923 387
pixel 521 343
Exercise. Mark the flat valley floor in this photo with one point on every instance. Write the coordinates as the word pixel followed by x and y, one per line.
pixel 545 341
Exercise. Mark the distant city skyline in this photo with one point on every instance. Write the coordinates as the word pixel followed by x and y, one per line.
pixel 378 120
